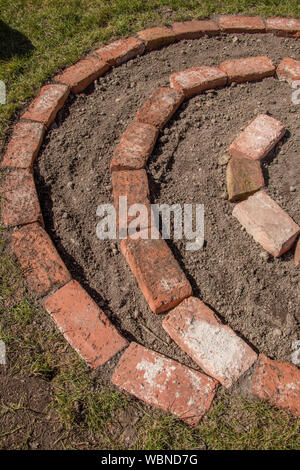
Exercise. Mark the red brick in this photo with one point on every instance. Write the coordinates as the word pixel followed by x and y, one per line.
pixel 297 254
pixel 155 38
pixel 47 104
pixel 283 26
pixel 213 346
pixel 164 383
pixel 20 204
pixel 241 24
pixel 268 224
pixel 258 139
pixel 195 29
pixel 135 147
pixel 288 70
pixel 24 145
pixel 160 107
pixel 279 383
pixel 121 50
pixel 39 259
pixel 82 74
pixel 248 70
pixel 244 177
pixel 157 272
pixel 84 324
pixel 134 185
pixel 197 79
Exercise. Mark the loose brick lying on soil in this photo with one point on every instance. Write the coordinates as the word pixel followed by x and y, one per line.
pixel 19 202
pixel 164 383
pixel 283 26
pixel 121 51
pixel 157 272
pixel 248 69
pixel 244 177
pixel 241 24
pixel 195 29
pixel 135 147
pixel 288 70
pixel 267 222
pixel 47 104
pixel 39 259
pixel 160 107
pixel 297 254
pixel 84 324
pixel 24 145
pixel 155 38
pixel 132 184
pixel 82 74
pixel 258 139
pixel 213 346
pixel 277 382
pixel 197 79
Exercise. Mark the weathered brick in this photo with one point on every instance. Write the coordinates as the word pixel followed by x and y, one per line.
pixel 244 177
pixel 47 104
pixel 160 107
pixel 82 74
pixel 288 70
pixel 297 254
pixel 155 38
pixel 84 324
pixel 157 272
pixel 24 145
pixel 164 383
pixel 134 185
pixel 241 24
pixel 195 29
pixel 268 224
pixel 121 51
pixel 39 259
pixel 248 69
pixel 135 147
pixel 258 139
pixel 213 346
pixel 283 26
pixel 197 79
pixel 277 382
pixel 19 202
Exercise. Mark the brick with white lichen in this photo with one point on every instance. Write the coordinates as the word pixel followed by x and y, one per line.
pixel 164 383
pixel 213 346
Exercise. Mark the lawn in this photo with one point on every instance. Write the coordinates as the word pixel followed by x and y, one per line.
pixel 38 38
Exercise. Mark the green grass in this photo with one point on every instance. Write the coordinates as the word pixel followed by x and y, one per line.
pixel 231 424
pixel 38 38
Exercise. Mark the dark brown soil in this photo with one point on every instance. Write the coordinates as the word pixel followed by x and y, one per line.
pixel 258 296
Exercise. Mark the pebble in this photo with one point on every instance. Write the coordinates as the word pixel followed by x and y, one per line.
pixel 277 332
pixel 264 255
pixel 224 159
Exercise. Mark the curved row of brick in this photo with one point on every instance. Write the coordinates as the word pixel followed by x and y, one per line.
pixel 221 354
